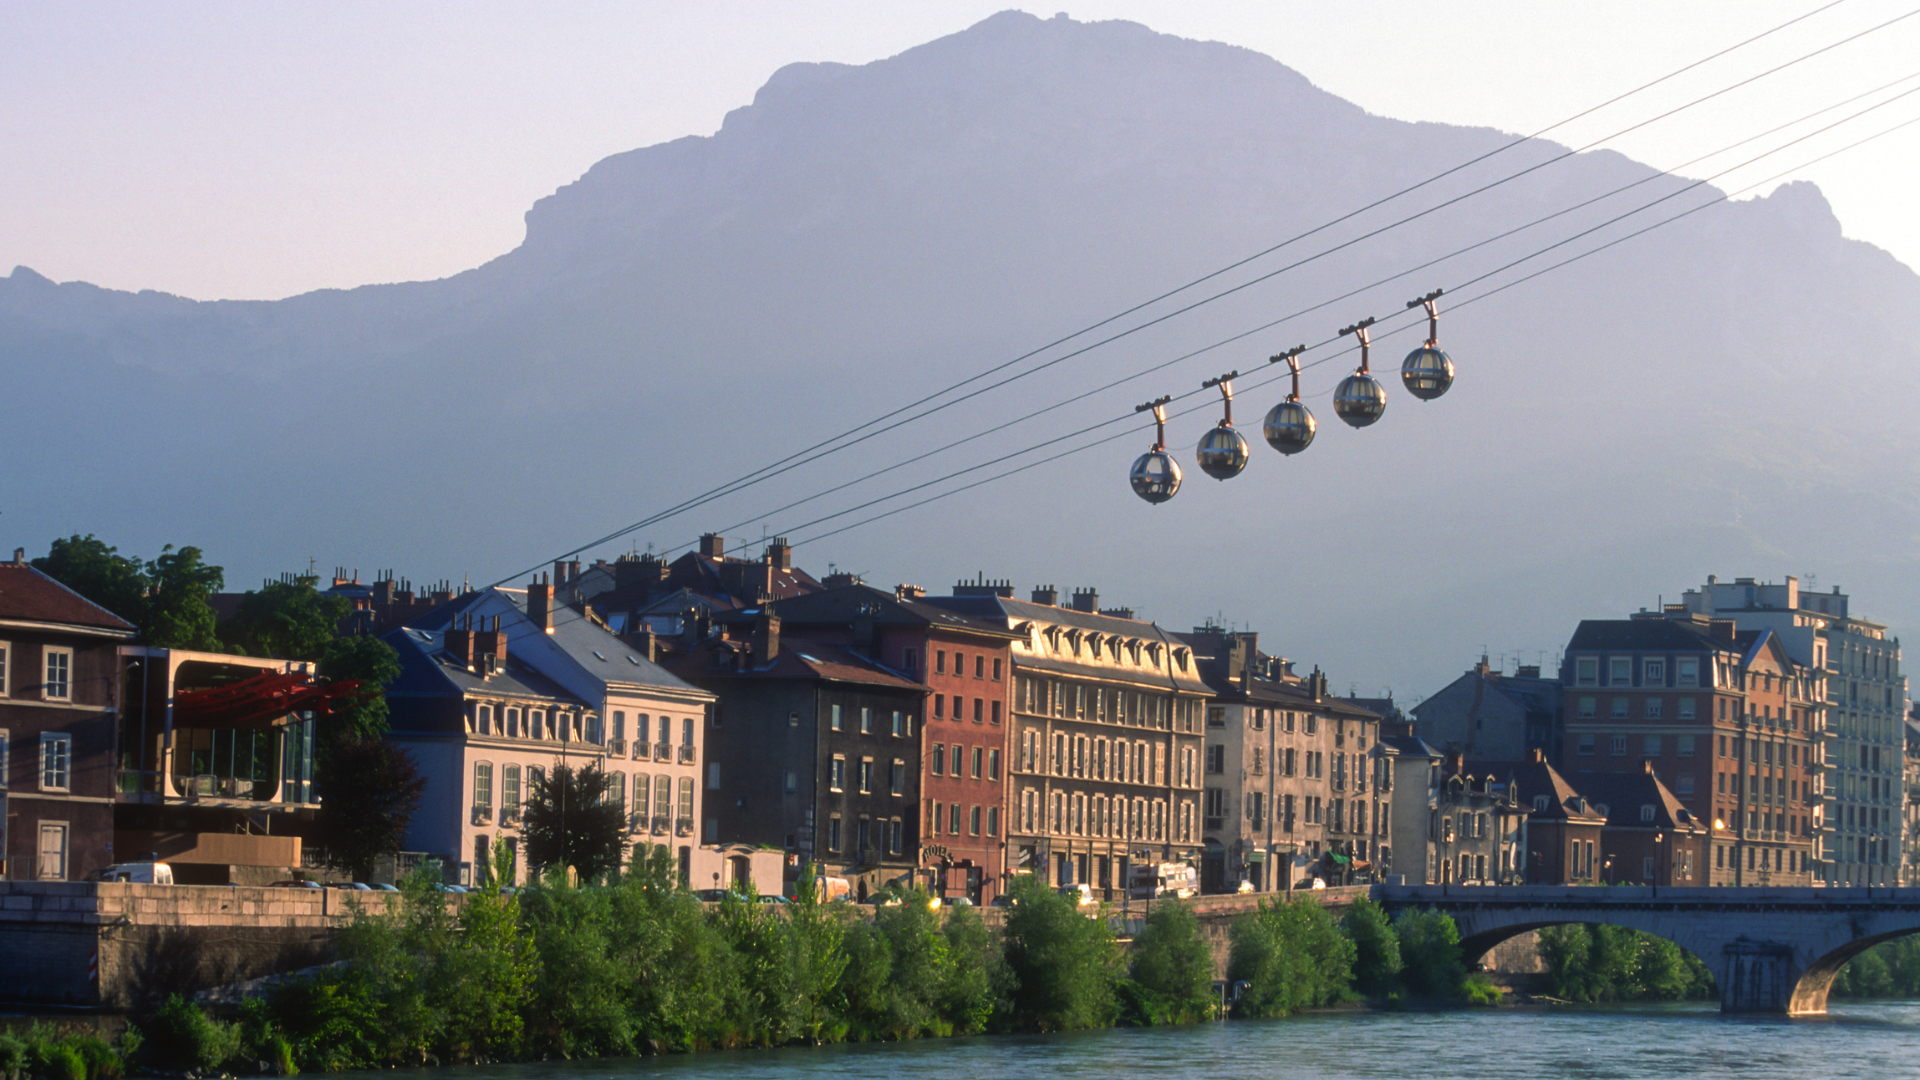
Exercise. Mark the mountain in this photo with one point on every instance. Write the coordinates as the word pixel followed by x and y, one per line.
pixel 1727 394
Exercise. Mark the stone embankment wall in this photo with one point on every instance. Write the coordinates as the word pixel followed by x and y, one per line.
pixel 117 944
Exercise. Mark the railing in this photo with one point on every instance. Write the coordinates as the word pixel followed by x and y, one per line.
pixel 482 815
pixel 617 747
pixel 663 751
pixel 662 825
pixel 686 754
pixel 683 827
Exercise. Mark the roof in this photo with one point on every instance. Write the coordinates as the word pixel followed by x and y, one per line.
pixel 598 651
pixel 843 605
pixel 27 595
pixel 1624 793
pixel 1016 614
pixel 426 668
pixel 799 658
pixel 1645 635
pixel 1532 779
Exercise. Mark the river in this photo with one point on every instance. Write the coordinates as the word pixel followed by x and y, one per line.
pixel 1870 1041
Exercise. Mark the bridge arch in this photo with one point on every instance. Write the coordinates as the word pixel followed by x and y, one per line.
pixel 1771 950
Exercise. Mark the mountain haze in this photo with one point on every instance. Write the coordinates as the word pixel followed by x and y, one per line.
pixel 1730 394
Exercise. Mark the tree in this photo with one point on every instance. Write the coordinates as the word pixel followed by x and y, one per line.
pixel 1292 957
pixel 165 599
pixel 1172 967
pixel 1065 966
pixel 100 573
pixel 1430 947
pixel 369 791
pixel 287 620
pixel 1376 949
pixel 570 822
pixel 178 615
pixel 374 663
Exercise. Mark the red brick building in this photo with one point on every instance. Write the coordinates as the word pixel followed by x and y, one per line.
pixel 59 696
pixel 1727 720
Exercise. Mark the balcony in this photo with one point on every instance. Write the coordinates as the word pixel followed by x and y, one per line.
pixel 686 755
pixel 663 751
pixel 683 827
pixel 617 747
pixel 662 826
pixel 482 815
pixel 1213 824
pixel 640 751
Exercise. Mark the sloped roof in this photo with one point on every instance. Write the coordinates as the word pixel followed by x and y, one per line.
pixel 426 668
pixel 595 648
pixel 843 605
pixel 27 595
pixel 800 658
pixel 1531 779
pixel 1644 635
pixel 1624 793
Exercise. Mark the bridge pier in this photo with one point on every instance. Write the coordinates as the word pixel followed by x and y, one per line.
pixel 1758 977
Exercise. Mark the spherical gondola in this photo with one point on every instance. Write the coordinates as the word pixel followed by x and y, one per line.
pixel 1427 371
pixel 1360 399
pixel 1223 452
pixel 1155 476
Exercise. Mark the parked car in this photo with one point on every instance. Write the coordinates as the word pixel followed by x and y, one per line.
pixel 295 885
pixel 1311 883
pixel 710 896
pixel 1081 894
pixel 1245 886
pixel 959 901
pixel 384 887
pixel 355 886
pixel 769 898
pixel 141 873
pixel 1003 900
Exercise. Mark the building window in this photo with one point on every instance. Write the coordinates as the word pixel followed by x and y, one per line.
pixel 56 762
pixel 1683 783
pixel 1619 671
pixel 980 667
pixel 953 819
pixel 1619 745
pixel 979 758
pixel 1646 813
pixel 686 802
pixel 996 669
pixel 897 778
pixel 899 724
pixel 940 662
pixel 1587 670
pixel 1617 708
pixel 993 764
pixel 1654 708
pixel 835 724
pixel 1216 759
pixel 483 719
pixel 5 742
pixel 1650 746
pixel 1585 746
pixel 1684 709
pixel 866 720
pixel 59 682
pixel 713 776
pixel 837 777
pixel 1653 672
pixel 483 787
pixel 3 674
pixel 1687 672
pixel 866 776
pixel 1683 745
pixel 973 821
pixel 979 709
pixel 938 759
pixel 833 833
pixel 912 662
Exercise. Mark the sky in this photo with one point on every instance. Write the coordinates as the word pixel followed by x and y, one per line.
pixel 244 150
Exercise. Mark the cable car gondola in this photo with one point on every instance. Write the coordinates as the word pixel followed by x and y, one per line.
pixel 1223 451
pixel 1360 399
pixel 1427 371
pixel 1155 475
pixel 1289 426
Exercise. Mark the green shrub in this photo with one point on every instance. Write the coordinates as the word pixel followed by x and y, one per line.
pixel 1065 966
pixel 1171 970
pixel 179 1037
pixel 13 1057
pixel 1376 949
pixel 63 1061
pixel 1291 956
pixel 1430 954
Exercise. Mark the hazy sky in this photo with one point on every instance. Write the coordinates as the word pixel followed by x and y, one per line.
pixel 260 150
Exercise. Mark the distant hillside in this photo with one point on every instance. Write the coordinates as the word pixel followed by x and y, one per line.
pixel 1727 395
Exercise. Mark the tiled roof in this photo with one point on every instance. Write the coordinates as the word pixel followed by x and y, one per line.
pixel 843 605
pixel 27 595
pixel 1644 635
pixel 800 658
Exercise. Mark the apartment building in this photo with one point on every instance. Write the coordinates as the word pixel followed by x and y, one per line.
pixel 1864 732
pixel 1108 718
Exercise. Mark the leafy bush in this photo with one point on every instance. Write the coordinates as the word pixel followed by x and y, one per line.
pixel 1613 963
pixel 1170 976
pixel 1430 952
pixel 1065 966
pixel 13 1057
pixel 1376 949
pixel 179 1037
pixel 1292 957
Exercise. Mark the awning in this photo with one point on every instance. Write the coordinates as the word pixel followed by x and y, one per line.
pixel 1256 855
pixel 1339 859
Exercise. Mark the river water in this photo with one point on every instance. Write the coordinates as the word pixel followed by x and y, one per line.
pixel 1869 1041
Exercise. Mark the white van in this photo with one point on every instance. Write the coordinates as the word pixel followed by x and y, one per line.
pixel 1150 881
pixel 139 873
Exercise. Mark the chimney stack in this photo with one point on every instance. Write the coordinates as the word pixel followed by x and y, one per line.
pixel 713 545
pixel 909 592
pixel 766 639
pixel 540 604
pixel 459 640
pixel 1086 600
pixel 1046 594
pixel 490 646
pixel 779 553
pixel 1536 756
pixel 20 556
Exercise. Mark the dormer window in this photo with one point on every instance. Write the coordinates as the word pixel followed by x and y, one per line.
pixel 1646 813
pixel 1540 803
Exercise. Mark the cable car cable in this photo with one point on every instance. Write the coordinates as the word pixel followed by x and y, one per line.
pixel 763 473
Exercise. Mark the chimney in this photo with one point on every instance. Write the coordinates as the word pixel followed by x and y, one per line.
pixel 1527 671
pixel 19 556
pixel 1648 766
pixel 1456 763
pixel 490 646
pixel 1317 682
pixel 766 639
pixel 980 586
pixel 459 641
pixel 779 553
pixel 1046 594
pixel 1086 600
pixel 713 545
pixel 540 604
pixel 840 579
pixel 1536 756
pixel 909 592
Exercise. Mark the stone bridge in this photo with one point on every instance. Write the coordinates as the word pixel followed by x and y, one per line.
pixel 1771 950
